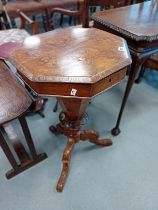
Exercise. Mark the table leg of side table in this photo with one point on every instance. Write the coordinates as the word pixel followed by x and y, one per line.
pixel 137 63
pixel 70 126
pixel 25 160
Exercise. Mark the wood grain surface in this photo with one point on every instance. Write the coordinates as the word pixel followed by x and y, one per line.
pixel 14 100
pixel 73 55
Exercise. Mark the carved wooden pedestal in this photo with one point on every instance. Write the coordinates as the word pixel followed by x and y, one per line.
pixel 25 161
pixel 70 126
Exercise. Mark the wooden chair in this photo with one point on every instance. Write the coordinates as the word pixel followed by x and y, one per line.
pixel 16 36
pixel 83 13
pixel 14 102
pixel 151 63
pixel 42 7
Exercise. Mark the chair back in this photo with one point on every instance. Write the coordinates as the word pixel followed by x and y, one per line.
pixel 4 23
pixel 106 3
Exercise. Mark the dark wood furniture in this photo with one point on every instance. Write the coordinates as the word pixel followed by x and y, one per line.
pixel 10 38
pixel 70 69
pixel 14 102
pixel 138 25
pixel 32 7
pixel 83 13
pixel 152 63
pixel 35 7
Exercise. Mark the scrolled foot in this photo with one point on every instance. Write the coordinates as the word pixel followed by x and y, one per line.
pixel 93 137
pixel 65 170
pixel 115 131
pixel 102 142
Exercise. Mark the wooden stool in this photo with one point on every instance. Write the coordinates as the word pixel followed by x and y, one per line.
pixel 14 101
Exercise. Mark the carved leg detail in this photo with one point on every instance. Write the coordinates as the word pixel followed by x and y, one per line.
pixel 66 158
pixel 93 137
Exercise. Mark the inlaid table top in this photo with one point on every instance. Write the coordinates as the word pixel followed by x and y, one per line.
pixel 138 22
pixel 71 55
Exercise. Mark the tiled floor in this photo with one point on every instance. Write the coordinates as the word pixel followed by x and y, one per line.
pixel 121 177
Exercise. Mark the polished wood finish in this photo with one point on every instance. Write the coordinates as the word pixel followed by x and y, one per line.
pixel 70 126
pixel 138 25
pixel 70 60
pixel 143 15
pixel 69 68
pixel 14 102
pixel 82 90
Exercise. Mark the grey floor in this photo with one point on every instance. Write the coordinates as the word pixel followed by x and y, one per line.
pixel 121 177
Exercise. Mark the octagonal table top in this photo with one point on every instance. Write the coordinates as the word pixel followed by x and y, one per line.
pixel 73 55
pixel 138 22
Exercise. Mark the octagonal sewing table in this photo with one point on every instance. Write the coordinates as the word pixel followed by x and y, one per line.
pixel 73 65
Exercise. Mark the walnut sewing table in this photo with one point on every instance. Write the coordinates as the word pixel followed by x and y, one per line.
pixel 72 65
pixel 138 24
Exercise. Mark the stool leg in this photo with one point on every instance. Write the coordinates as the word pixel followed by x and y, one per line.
pixel 28 137
pixel 8 152
pixel 61 19
pixel 17 145
pixel 25 161
pixel 55 107
pixel 141 75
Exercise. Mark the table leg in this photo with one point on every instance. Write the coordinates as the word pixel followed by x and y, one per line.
pixel 137 63
pixel 66 159
pixel 70 126
pixel 141 74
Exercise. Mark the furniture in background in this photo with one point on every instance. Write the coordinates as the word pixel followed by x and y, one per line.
pixel 30 8
pixel 151 63
pixel 83 13
pixel 39 7
pixel 14 102
pixel 15 37
pixel 70 69
pixel 138 25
